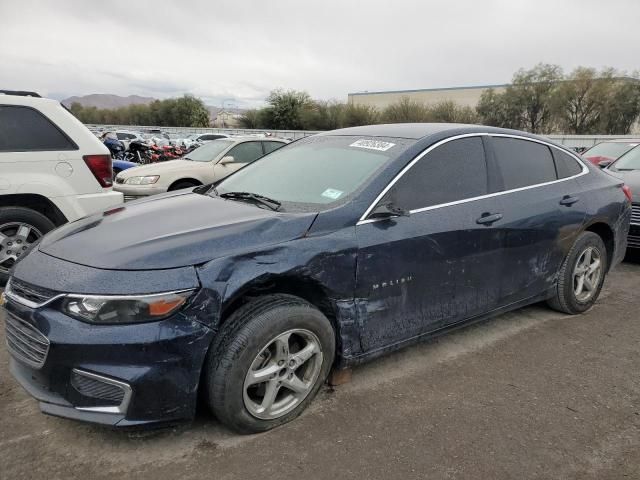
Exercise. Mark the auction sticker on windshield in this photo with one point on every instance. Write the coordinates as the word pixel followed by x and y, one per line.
pixel 332 193
pixel 372 145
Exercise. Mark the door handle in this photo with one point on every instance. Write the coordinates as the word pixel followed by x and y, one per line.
pixel 489 218
pixel 569 200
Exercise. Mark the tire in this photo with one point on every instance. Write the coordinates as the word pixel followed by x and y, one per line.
pixel 182 184
pixel 240 347
pixel 565 298
pixel 13 240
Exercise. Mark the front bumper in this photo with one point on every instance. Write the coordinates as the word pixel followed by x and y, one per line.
pixel 158 363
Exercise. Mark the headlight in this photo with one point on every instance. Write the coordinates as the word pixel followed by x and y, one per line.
pixel 118 309
pixel 148 180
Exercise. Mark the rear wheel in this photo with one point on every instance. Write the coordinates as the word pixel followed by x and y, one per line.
pixel 268 363
pixel 581 276
pixel 19 228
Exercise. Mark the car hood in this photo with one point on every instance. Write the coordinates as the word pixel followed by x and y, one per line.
pixel 171 230
pixel 630 178
pixel 160 167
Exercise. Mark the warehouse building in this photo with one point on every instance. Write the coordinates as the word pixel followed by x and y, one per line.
pixel 464 96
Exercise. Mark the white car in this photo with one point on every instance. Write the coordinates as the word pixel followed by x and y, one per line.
pixel 207 164
pixel 53 170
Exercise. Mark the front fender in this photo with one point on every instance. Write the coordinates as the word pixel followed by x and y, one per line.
pixel 325 263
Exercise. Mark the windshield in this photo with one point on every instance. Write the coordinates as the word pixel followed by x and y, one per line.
pixel 208 151
pixel 629 161
pixel 316 171
pixel 610 150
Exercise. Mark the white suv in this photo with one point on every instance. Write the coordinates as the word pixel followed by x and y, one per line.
pixel 52 170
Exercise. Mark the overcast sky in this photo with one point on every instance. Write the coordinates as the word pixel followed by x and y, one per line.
pixel 240 50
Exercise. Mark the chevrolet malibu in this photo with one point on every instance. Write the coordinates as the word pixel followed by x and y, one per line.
pixel 325 253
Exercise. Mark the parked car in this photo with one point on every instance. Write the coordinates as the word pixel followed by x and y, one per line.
pixel 207 164
pixel 206 137
pixel 52 170
pixel 627 167
pixel 121 165
pixel 605 153
pixel 127 136
pixel 328 252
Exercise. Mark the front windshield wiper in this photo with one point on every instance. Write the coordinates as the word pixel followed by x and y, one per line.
pixel 269 202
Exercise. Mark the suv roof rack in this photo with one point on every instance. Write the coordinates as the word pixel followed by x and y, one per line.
pixel 20 93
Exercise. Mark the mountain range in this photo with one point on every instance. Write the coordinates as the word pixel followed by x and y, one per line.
pixel 106 100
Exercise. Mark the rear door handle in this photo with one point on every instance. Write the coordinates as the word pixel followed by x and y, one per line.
pixel 569 200
pixel 489 218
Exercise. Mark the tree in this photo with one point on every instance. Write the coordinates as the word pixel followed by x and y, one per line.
pixel 355 115
pixel 496 110
pixel 406 110
pixel 531 93
pixel 287 109
pixel 622 107
pixel 250 119
pixel 580 100
pixel 324 115
pixel 448 111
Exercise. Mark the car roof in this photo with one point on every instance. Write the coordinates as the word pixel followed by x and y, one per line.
pixel 422 130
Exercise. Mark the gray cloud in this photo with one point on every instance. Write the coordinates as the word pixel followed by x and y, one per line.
pixel 242 50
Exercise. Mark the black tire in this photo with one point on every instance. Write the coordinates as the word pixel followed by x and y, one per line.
pixel 180 184
pixel 36 220
pixel 565 299
pixel 242 339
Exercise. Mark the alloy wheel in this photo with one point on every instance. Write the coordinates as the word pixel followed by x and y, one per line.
pixel 15 240
pixel 586 274
pixel 283 374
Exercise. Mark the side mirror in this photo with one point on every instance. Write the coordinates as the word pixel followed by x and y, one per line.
pixel 388 210
pixel 604 163
pixel 226 160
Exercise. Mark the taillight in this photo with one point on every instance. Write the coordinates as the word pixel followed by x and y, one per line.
pixel 627 192
pixel 100 166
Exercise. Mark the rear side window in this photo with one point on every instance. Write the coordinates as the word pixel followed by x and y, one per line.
pixel 454 171
pixel 566 165
pixel 523 163
pixel 24 129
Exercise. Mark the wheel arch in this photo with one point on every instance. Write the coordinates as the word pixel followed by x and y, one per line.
pixel 39 203
pixel 303 287
pixel 605 232
pixel 194 181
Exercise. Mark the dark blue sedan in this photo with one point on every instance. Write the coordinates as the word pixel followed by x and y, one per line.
pixel 328 252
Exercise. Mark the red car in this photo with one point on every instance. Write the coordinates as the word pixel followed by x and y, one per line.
pixel 605 153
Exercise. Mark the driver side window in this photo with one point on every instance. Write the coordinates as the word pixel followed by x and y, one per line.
pixel 454 171
pixel 246 152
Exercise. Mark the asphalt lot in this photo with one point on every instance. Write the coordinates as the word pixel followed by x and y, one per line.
pixel 530 394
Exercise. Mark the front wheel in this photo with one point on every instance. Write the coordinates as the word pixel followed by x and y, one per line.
pixel 268 363
pixel 581 276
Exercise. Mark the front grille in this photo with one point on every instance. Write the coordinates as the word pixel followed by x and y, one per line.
pixel 635 214
pixel 130 198
pixel 633 241
pixel 25 341
pixel 26 291
pixel 95 388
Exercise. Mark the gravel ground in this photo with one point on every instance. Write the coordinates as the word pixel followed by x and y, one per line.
pixel 530 394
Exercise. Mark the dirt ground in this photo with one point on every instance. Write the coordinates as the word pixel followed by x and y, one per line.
pixel 530 394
